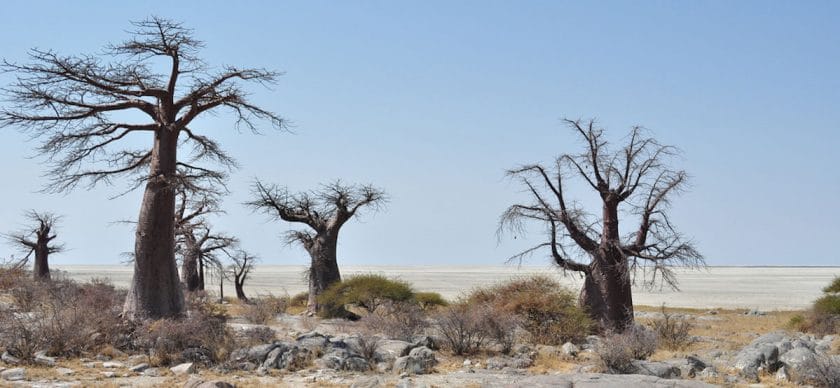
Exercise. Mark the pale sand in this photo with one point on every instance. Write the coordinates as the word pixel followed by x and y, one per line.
pixel 763 288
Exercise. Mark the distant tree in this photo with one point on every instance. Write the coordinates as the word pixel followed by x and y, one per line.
pixel 324 211
pixel 77 104
pixel 37 239
pixel 633 180
pixel 242 263
pixel 196 244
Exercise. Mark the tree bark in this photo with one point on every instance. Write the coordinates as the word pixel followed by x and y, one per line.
pixel 323 271
pixel 239 284
pixel 155 290
pixel 42 267
pixel 189 271
pixel 200 286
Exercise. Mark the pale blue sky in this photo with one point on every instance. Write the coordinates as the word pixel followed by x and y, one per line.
pixel 433 100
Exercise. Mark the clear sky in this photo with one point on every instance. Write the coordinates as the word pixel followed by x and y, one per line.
pixel 433 100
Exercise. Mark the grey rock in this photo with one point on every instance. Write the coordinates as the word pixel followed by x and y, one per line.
pixel 64 371
pixel 195 382
pixel 137 359
pixel 368 382
pixel 420 360
pixel 112 364
pixel 391 349
pixel 41 358
pixel 782 375
pixel 708 373
pixel 313 341
pixel 342 359
pixel 10 359
pixel 151 372
pixel 569 349
pixel 109 375
pixel 183 369
pixel 658 369
pixel 425 341
pixel 797 358
pixel 254 354
pixel 14 374
pixel 102 357
pixel 288 357
pixel 502 362
pixel 139 367
pixel 410 383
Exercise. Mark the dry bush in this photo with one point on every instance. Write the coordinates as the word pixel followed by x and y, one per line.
pixel 256 336
pixel 618 350
pixel 547 310
pixel 673 332
pixel 501 326
pixel 396 320
pixel 366 347
pixel 12 274
pixel 264 309
pixel 64 318
pixel 300 299
pixel 462 327
pixel 196 338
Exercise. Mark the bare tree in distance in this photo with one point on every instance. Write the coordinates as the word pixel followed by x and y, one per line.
pixel 634 180
pixel 242 263
pixel 37 240
pixel 77 105
pixel 196 244
pixel 324 211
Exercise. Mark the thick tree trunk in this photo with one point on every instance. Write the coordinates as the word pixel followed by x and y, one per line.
pixel 155 290
pixel 607 296
pixel 200 274
pixel 323 271
pixel 189 271
pixel 239 284
pixel 42 266
pixel 606 291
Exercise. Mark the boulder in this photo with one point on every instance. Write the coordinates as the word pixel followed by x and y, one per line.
pixel 313 340
pixel 64 371
pixel 254 354
pixel 151 372
pixel 109 374
pixel 343 359
pixel 367 382
pixel 502 362
pixel 139 367
pixel 183 369
pixel 658 369
pixel 112 364
pixel 425 341
pixel 288 357
pixel 389 350
pixel 14 374
pixel 195 382
pixel 420 360
pixel 10 359
pixel 570 350
pixel 41 358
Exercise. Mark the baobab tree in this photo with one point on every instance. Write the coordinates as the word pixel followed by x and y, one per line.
pixel 324 211
pixel 242 263
pixel 85 107
pixel 635 180
pixel 37 240
pixel 196 244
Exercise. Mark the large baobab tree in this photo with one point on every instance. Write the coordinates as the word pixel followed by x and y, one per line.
pixel 196 244
pixel 37 240
pixel 324 211
pixel 635 180
pixel 153 85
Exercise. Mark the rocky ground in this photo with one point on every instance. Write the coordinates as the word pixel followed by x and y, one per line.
pixel 732 348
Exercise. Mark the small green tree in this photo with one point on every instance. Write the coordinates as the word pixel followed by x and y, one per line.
pixel 366 291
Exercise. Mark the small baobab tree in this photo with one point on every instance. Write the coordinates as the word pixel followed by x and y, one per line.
pixel 196 243
pixel 635 180
pixel 87 107
pixel 324 211
pixel 37 240
pixel 242 263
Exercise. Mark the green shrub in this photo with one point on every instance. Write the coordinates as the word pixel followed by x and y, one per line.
pixel 833 287
pixel 548 311
pixel 827 304
pixel 430 300
pixel 797 322
pixel 365 291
